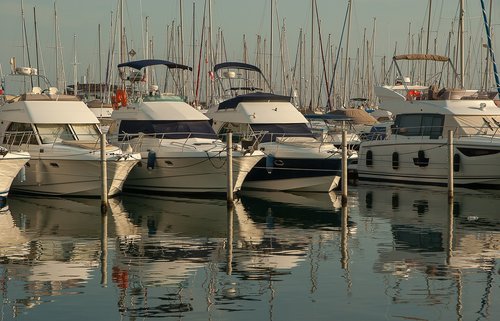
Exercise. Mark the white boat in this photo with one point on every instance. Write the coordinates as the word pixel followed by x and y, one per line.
pixel 180 150
pixel 11 165
pixel 63 138
pixel 415 151
pixel 296 160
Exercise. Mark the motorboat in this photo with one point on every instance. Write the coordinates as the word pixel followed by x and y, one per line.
pixel 62 137
pixel 180 151
pixel 295 159
pixel 11 165
pixel 416 148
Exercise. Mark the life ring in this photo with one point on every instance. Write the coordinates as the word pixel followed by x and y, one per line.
pixel 120 99
pixel 413 94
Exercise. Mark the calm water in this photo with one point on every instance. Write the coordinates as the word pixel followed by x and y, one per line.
pixel 391 254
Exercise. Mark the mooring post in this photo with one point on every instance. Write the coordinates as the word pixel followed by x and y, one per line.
pixel 450 167
pixel 230 169
pixel 104 175
pixel 344 178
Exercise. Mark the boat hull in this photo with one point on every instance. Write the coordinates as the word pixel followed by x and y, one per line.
pixel 295 174
pixel 10 165
pixel 427 162
pixel 58 177
pixel 195 173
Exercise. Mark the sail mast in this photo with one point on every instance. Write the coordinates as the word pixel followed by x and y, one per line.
pixel 461 42
pixel 492 54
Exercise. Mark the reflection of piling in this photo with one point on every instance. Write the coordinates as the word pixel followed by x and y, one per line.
pixel 450 167
pixel 343 241
pixel 344 177
pixel 230 231
pixel 104 249
pixel 230 168
pixel 449 246
pixel 104 175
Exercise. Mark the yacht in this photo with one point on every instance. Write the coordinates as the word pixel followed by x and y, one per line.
pixel 11 165
pixel 295 159
pixel 415 150
pixel 180 151
pixel 62 137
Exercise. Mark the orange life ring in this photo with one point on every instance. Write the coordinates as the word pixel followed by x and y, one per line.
pixel 413 94
pixel 121 98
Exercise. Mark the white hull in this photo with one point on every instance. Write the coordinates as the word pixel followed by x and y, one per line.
pixel 190 174
pixel 303 184
pixel 10 165
pixel 73 177
pixel 472 170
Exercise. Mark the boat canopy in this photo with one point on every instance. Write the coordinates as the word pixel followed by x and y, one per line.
pixel 252 97
pixel 421 57
pixel 139 64
pixel 236 65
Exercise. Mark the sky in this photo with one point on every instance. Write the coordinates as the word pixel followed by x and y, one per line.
pixel 78 24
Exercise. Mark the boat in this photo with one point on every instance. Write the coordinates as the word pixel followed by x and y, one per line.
pixel 180 151
pixel 329 127
pixel 11 165
pixel 62 137
pixel 415 150
pixel 295 159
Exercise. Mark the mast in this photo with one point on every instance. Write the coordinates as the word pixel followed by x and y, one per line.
pixel 36 45
pixel 210 53
pixel 271 47
pixel 492 54
pixel 99 59
pixel 311 84
pixel 75 72
pixel 344 97
pixel 193 50
pixel 461 42
pixel 181 40
pixel 25 34
pixel 428 36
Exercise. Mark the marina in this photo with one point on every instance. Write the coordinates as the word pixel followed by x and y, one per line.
pixel 313 172
pixel 400 253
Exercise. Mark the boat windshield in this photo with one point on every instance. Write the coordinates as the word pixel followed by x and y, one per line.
pixel 272 131
pixel 173 129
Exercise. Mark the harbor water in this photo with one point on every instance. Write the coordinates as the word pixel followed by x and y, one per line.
pixel 393 253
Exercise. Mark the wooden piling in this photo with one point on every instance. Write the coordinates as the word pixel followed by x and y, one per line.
pixel 230 196
pixel 104 176
pixel 450 167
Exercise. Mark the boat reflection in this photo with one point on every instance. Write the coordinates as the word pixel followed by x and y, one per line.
pixel 154 248
pixel 49 245
pixel 435 241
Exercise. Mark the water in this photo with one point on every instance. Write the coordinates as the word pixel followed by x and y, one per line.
pixel 392 254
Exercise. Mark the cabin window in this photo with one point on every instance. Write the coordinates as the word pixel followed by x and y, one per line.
pixel 52 133
pixel 86 131
pixel 419 125
pixel 19 133
pixel 273 131
pixel 173 129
